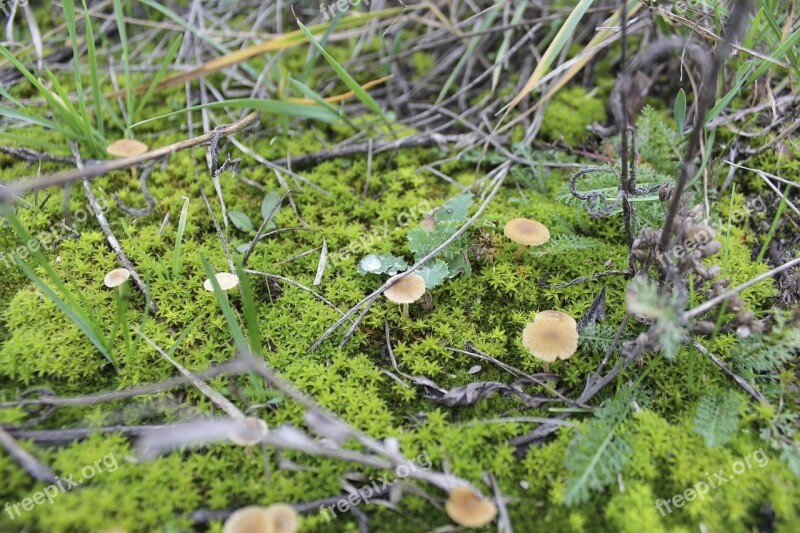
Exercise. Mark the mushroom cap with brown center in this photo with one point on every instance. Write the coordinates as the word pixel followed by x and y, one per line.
pixel 552 335
pixel 126 148
pixel 465 508
pixel 116 277
pixel 407 290
pixel 226 281
pixel 526 232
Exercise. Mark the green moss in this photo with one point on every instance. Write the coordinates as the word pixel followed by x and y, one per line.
pixel 569 113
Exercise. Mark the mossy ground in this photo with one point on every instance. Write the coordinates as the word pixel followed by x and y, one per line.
pixel 42 347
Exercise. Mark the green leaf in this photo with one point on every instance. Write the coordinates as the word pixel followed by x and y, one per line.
pixel 241 221
pixel 679 110
pixel 717 417
pixel 455 209
pixel 434 274
pixel 176 252
pixel 381 264
pixel 270 206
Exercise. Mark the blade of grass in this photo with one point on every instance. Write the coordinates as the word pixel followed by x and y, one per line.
pixel 487 22
pixel 348 80
pixel 176 252
pixel 498 62
pixel 97 89
pixel 552 52
pixel 119 15
pixel 250 310
pixel 162 70
pixel 227 312
pixel 268 106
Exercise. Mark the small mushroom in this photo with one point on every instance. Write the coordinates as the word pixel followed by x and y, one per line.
pixel 465 508
pixel 226 281
pixel 277 518
pixel 127 148
pixel 250 519
pixel 406 290
pixel 552 335
pixel 526 232
pixel 284 518
pixel 116 277
pixel 250 433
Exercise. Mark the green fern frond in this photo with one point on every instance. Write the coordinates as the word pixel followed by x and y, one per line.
pixel 717 417
pixel 598 453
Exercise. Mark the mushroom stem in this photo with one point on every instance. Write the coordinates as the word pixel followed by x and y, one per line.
pixel 520 249
pixel 134 173
pixel 405 311
pixel 546 367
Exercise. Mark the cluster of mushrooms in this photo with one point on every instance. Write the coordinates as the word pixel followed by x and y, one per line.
pixel 277 518
pixel 551 336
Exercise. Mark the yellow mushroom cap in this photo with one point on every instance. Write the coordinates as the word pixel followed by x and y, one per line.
pixel 284 518
pixel 526 232
pixel 126 148
pixel 277 518
pixel 552 335
pixel 250 433
pixel 250 519
pixel 407 290
pixel 226 281
pixel 465 508
pixel 116 277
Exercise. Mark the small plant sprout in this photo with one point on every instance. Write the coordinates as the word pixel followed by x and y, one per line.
pixel 526 232
pixel 552 335
pixel 127 148
pixel 406 291
pixel 226 282
pixel 466 509
pixel 250 433
pixel 277 518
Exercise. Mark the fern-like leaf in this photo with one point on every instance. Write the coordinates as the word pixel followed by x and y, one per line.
pixel 717 417
pixel 598 453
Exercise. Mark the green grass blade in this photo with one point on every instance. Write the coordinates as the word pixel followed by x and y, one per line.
pixel 176 252
pixel 79 318
pixel 250 310
pixel 348 80
pixel 162 70
pixel 97 89
pixel 268 106
pixel 119 15
pixel 473 43
pixel 227 312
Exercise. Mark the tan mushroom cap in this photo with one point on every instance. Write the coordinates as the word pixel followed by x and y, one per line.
pixel 407 290
pixel 552 335
pixel 465 508
pixel 226 281
pixel 250 519
pixel 277 518
pixel 526 232
pixel 116 277
pixel 250 433
pixel 126 148
pixel 284 518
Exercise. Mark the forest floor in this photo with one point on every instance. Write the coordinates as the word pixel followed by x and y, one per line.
pixel 321 156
